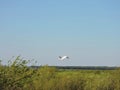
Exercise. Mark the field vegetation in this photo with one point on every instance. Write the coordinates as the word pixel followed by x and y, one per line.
pixel 18 76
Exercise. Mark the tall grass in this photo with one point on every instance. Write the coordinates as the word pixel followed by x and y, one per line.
pixel 17 76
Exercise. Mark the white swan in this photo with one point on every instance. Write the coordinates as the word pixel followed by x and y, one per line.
pixel 63 57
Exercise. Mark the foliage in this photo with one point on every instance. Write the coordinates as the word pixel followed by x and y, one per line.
pixel 18 76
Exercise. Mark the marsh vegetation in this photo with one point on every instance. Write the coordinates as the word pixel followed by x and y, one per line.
pixel 18 76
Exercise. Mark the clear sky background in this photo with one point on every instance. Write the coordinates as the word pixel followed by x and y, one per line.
pixel 88 31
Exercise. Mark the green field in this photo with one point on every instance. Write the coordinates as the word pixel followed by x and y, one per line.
pixel 17 76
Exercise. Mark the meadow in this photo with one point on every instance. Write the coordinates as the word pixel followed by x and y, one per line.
pixel 18 76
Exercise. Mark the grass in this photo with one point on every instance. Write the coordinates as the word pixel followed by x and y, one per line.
pixel 17 76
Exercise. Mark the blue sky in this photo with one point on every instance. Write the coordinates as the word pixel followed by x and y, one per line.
pixel 88 31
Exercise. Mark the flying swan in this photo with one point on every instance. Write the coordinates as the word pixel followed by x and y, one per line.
pixel 63 57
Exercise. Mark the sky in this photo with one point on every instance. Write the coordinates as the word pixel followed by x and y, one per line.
pixel 88 31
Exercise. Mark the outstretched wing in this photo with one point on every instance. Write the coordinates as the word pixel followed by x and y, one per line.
pixel 60 57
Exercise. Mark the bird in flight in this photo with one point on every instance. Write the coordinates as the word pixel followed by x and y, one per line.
pixel 63 57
